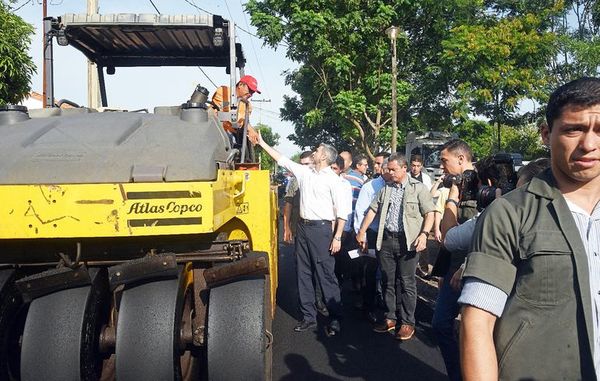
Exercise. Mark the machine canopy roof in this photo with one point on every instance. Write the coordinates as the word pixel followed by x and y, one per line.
pixel 128 40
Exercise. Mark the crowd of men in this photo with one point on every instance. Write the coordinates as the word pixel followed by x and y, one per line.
pixel 519 256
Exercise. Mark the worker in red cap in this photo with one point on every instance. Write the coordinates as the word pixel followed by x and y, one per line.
pixel 245 88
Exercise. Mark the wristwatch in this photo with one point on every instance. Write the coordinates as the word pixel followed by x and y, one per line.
pixel 424 232
pixel 337 238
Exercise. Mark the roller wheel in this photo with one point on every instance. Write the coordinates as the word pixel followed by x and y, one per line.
pixel 238 342
pixel 149 326
pixel 60 339
pixel 12 319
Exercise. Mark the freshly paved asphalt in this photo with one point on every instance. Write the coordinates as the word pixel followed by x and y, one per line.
pixel 357 353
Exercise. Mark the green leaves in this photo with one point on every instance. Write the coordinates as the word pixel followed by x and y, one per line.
pixel 16 67
pixel 272 138
pixel 458 60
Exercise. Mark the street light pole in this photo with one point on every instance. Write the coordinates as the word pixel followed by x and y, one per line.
pixel 45 46
pixel 392 32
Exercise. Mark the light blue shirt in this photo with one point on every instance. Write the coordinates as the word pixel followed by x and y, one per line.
pixel 367 194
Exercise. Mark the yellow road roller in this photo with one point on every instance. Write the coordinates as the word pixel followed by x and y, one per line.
pixel 135 245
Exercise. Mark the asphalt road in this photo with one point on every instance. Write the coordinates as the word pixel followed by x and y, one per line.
pixel 357 353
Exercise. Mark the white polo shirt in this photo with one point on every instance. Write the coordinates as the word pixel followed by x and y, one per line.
pixel 321 195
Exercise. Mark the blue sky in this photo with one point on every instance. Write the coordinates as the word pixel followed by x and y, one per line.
pixel 135 88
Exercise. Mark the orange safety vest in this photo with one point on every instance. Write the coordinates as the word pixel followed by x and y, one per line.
pixel 220 97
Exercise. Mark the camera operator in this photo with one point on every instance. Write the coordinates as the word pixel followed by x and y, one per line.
pixel 456 162
pixel 470 192
pixel 497 176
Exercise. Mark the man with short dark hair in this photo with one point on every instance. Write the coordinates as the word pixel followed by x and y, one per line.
pixel 416 170
pixel 531 295
pixel 456 160
pixel 322 209
pixel 405 210
pixel 378 162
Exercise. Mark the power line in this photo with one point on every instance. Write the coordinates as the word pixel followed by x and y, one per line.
pixel 254 35
pixel 228 10
pixel 152 2
pixel 262 76
pixel 193 4
pixel 207 77
pixel 266 110
pixel 22 5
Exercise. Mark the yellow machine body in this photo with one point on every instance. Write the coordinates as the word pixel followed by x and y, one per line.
pixel 239 203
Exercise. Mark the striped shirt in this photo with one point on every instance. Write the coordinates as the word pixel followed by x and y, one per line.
pixel 393 221
pixel 357 180
pixel 589 229
pixel 491 299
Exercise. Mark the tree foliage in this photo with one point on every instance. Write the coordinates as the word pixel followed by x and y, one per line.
pixel 271 138
pixel 16 67
pixel 343 81
pixel 460 61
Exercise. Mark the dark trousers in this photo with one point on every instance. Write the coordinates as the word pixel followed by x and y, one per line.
pixel 343 264
pixel 369 271
pixel 312 254
pixel 398 266
pixel 446 311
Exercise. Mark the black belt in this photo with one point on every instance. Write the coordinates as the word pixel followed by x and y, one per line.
pixel 314 222
pixel 389 234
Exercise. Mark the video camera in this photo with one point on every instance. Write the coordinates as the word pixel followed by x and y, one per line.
pixel 467 182
pixel 498 168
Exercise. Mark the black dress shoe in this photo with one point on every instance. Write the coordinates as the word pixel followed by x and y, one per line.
pixel 333 328
pixel 304 326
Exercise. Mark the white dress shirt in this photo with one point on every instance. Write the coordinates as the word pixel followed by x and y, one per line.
pixel 347 195
pixel 321 195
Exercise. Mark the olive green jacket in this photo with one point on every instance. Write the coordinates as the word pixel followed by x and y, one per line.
pixel 527 244
pixel 417 203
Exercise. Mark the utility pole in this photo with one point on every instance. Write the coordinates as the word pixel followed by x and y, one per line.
pixel 93 87
pixel 392 32
pixel 44 47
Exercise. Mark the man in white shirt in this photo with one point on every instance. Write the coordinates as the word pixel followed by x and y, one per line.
pixel 322 208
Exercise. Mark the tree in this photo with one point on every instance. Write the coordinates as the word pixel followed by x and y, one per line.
pixel 458 60
pixel 478 134
pixel 272 139
pixel 578 31
pixel 497 62
pixel 525 140
pixel 16 67
pixel 343 80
